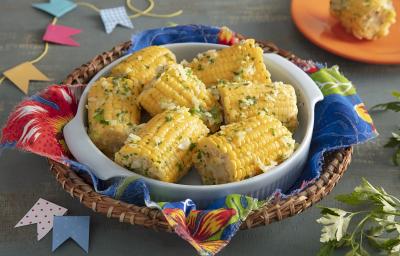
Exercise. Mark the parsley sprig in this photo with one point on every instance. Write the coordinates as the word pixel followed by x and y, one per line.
pixel 378 224
pixel 394 141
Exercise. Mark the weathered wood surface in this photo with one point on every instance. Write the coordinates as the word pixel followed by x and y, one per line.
pixel 25 177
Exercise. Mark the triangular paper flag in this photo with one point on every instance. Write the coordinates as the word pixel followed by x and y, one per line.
pixel 56 7
pixel 113 16
pixel 21 75
pixel 42 214
pixel 75 227
pixel 60 35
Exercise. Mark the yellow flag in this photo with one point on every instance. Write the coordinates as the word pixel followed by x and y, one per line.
pixel 21 75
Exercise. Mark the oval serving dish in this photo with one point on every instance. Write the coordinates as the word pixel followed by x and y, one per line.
pixel 280 177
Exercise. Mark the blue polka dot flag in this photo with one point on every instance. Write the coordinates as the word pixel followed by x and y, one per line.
pixel 74 227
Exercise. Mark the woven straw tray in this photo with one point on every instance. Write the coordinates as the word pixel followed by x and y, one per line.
pixel 334 166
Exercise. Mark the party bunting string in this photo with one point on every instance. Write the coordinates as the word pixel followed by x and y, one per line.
pixel 46 46
pixel 21 74
pixel 144 13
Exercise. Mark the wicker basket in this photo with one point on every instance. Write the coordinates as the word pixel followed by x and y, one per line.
pixel 335 164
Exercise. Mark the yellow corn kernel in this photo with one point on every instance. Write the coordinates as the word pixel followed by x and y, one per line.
pixel 177 86
pixel 113 112
pixel 245 99
pixel 162 149
pixel 242 61
pixel 145 65
pixel 242 150
pixel 365 19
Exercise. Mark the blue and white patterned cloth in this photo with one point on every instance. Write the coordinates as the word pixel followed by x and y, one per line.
pixel 115 16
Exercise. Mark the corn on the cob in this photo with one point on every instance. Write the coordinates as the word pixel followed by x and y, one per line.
pixel 242 61
pixel 162 149
pixel 365 19
pixel 177 86
pixel 112 112
pixel 242 150
pixel 145 65
pixel 245 99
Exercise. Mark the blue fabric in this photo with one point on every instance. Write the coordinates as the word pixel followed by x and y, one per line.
pixel 171 35
pixel 337 125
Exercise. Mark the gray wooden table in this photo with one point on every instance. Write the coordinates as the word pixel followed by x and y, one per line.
pixel 25 177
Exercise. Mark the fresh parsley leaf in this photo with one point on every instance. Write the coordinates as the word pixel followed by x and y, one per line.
pixel 396 94
pixel 384 243
pixel 378 224
pixel 394 141
pixel 327 248
pixel 364 194
pixel 336 222
pixel 396 157
pixel 393 105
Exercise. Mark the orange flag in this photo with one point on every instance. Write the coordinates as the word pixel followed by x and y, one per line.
pixel 21 75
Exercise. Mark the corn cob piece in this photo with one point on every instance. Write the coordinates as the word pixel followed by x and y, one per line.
pixel 112 112
pixel 145 65
pixel 245 99
pixel 162 149
pixel 177 86
pixel 242 61
pixel 365 19
pixel 242 150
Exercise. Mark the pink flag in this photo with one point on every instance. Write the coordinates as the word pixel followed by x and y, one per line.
pixel 42 214
pixel 60 35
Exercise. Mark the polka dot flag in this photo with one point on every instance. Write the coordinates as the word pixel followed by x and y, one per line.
pixel 42 214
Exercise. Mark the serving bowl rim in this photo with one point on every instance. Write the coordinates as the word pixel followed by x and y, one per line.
pixel 303 145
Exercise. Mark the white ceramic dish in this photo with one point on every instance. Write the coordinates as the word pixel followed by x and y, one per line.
pixel 261 186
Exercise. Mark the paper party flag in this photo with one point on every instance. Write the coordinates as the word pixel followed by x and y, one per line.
pixel 42 214
pixel 60 35
pixel 75 227
pixel 113 16
pixel 21 75
pixel 56 8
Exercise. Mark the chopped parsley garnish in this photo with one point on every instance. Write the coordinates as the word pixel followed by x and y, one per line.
pixel 216 114
pixel 200 154
pixel 192 146
pixel 99 116
pixel 180 167
pixel 248 101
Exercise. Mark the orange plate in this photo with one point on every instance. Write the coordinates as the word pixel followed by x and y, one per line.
pixel 314 21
